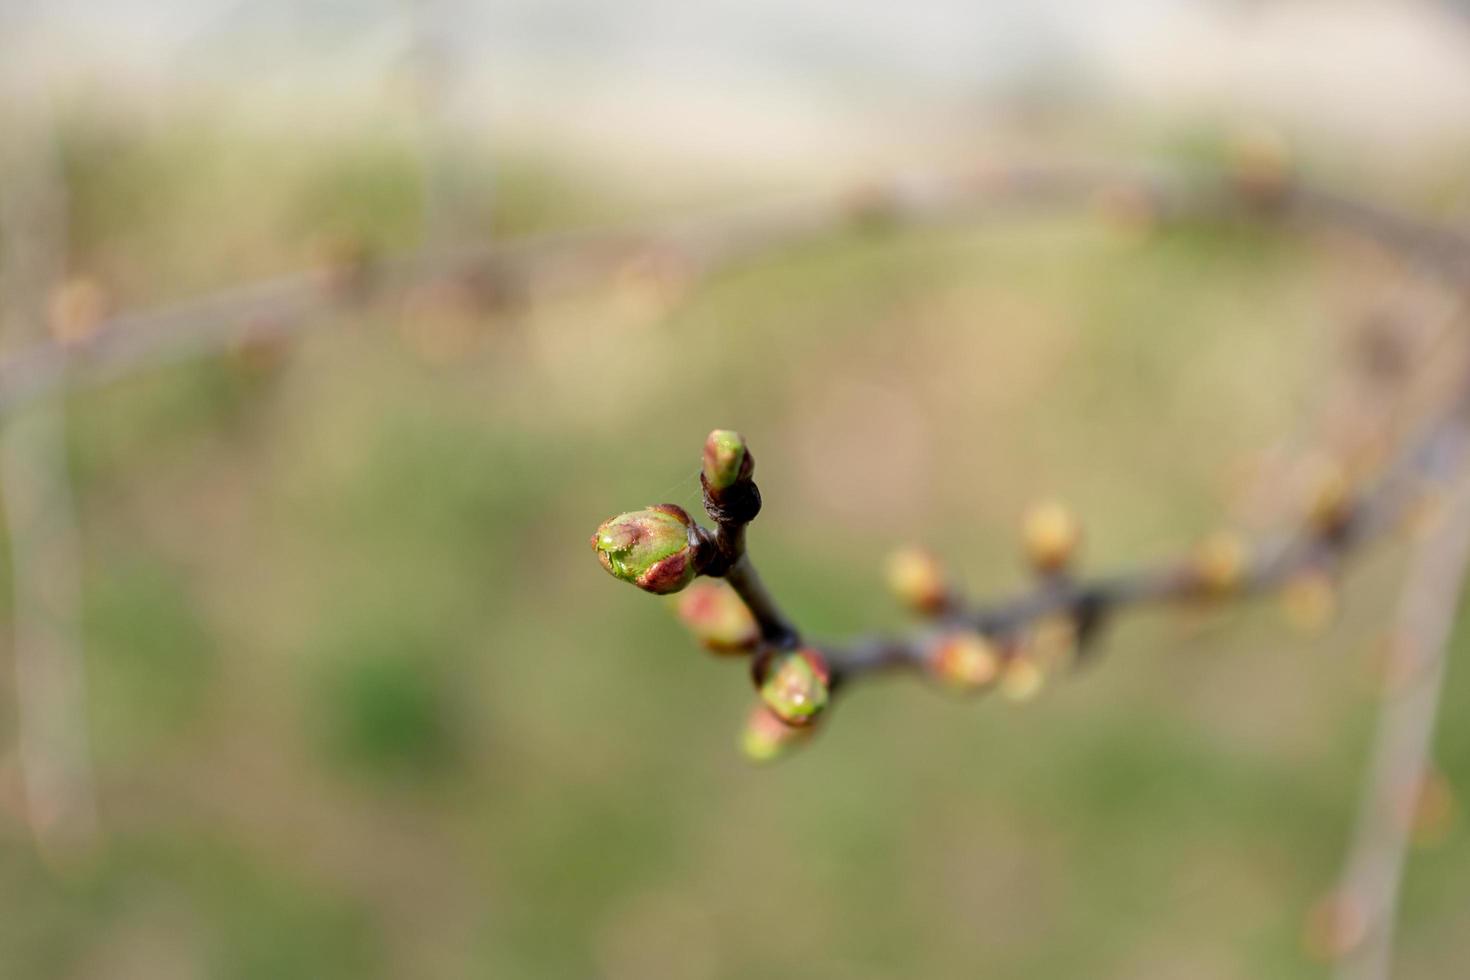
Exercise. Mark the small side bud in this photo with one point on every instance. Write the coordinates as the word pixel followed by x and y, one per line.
pixel 1335 926
pixel 918 580
pixel 1022 679
pixel 648 547
pixel 964 661
pixel 727 460
pixel 1431 810
pixel 349 267
pixel 1309 600
pixel 1260 166
pixel 1127 208
pixel 1330 498
pixel 1051 535
pixel 795 685
pixel 767 738
pixel 261 350
pixel 75 310
pixel 1218 563
pixel 1054 640
pixel 717 617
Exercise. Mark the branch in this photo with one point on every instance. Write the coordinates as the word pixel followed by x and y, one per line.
pixel 1220 568
pixel 732 500
pixel 973 646
pixel 50 672
pixel 289 303
pixel 1367 898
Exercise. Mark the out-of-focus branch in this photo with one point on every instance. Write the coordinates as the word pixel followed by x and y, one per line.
pixel 134 341
pixel 1400 760
pixel 1084 603
pixel 49 669
pixel 432 75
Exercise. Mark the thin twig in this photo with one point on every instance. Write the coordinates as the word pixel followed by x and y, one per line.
pixel 1087 602
pixel 1402 743
pixel 732 503
pixel 135 341
pixel 45 570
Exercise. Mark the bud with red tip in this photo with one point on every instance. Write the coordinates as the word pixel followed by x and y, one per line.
pixel 767 738
pixel 648 547
pixel 917 578
pixel 964 661
pixel 727 460
pixel 795 685
pixel 718 617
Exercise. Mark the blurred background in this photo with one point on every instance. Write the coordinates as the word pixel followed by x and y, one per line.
pixel 310 670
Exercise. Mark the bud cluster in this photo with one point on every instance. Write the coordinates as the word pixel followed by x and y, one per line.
pixel 661 550
pixel 1011 649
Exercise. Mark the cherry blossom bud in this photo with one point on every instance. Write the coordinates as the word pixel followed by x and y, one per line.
pixel 767 738
pixel 1330 504
pixel 1219 562
pixel 964 661
pixel 718 617
pixel 75 310
pixel 1260 166
pixel 1309 600
pixel 795 685
pixel 1021 679
pixel 917 578
pixel 727 460
pixel 648 547
pixel 1051 535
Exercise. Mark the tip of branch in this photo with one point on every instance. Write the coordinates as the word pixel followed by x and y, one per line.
pixel 727 459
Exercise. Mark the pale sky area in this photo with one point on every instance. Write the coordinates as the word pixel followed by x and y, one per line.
pixel 742 76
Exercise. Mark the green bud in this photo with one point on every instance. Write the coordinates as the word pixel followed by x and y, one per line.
pixel 648 547
pixel 726 459
pixel 795 685
pixel 766 738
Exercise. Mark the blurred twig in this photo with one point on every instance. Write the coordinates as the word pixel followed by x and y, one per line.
pixel 1399 762
pixel 432 74
pixel 135 341
pixel 49 668
pixel 1086 603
